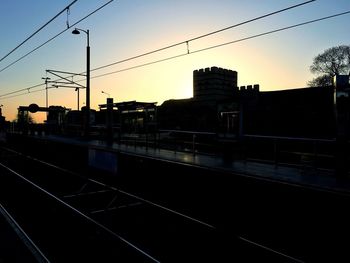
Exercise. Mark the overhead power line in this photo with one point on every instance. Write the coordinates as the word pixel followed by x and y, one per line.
pixel 252 20
pixel 188 53
pixel 205 35
pixel 31 92
pixel 273 31
pixel 20 90
pixel 24 93
pixel 223 44
pixel 43 44
pixel 199 37
pixel 154 51
pixel 13 50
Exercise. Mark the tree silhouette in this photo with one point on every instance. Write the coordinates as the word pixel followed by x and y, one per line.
pixel 333 61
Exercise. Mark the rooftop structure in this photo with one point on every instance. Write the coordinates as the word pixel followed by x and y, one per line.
pixel 214 84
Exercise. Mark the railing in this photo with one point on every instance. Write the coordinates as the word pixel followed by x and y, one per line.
pixel 188 141
pixel 288 151
pixel 292 151
pixel 303 152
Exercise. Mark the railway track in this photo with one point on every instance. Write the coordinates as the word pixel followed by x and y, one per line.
pixel 70 217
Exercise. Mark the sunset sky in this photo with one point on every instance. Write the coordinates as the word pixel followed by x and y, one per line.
pixel 127 28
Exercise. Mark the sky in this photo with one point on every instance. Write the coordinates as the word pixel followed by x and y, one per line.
pixel 127 28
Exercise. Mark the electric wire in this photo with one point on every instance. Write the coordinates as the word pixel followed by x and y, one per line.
pixel 192 39
pixel 26 93
pixel 24 89
pixel 46 42
pixel 170 46
pixel 184 54
pixel 273 31
pixel 151 52
pixel 187 53
pixel 204 35
pixel 29 92
pixel 139 66
pixel 37 31
pixel 223 44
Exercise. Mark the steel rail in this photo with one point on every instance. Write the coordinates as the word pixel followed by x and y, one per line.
pixel 102 227
pixel 116 189
pixel 28 242
pixel 243 239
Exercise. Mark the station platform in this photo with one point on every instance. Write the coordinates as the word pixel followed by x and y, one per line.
pixel 305 176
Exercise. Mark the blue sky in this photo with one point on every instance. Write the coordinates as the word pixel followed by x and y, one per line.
pixel 127 28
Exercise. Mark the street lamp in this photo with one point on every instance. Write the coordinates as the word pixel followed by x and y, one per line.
pixel 77 31
pixel 109 95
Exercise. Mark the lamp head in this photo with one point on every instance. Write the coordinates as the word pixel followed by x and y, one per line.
pixel 75 32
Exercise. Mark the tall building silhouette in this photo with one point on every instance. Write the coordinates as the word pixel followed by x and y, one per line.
pixel 214 84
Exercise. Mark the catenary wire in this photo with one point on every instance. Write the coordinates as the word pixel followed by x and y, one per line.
pixel 273 31
pixel 193 52
pixel 223 44
pixel 43 44
pixel 37 31
pixel 28 92
pixel 170 46
pixel 196 38
pixel 188 53
pixel 160 49
pixel 204 35
pixel 25 89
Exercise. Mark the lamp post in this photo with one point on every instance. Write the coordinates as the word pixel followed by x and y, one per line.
pixel 109 95
pixel 77 31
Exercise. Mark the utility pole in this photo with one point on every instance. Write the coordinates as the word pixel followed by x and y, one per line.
pixel 47 96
